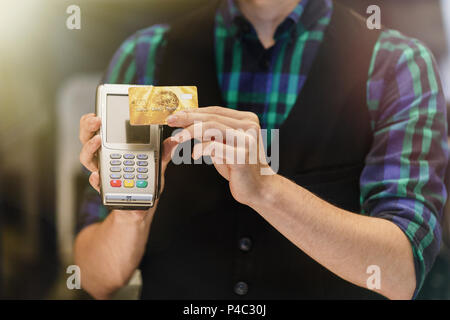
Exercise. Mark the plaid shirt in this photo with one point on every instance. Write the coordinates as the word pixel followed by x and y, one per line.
pixel 403 176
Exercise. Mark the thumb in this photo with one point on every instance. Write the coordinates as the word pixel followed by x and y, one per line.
pixel 169 146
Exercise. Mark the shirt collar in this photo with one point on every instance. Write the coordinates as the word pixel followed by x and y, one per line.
pixel 235 21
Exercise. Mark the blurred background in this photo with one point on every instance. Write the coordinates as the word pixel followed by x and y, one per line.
pixel 49 74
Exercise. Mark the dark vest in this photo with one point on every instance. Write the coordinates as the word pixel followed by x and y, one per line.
pixel 194 249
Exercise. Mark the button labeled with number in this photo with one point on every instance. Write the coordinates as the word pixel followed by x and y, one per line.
pixel 128 156
pixel 142 170
pixel 142 163
pixel 115 156
pixel 142 156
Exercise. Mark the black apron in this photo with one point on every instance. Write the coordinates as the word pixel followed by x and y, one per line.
pixel 205 245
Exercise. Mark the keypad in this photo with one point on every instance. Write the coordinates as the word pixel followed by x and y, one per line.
pixel 129 166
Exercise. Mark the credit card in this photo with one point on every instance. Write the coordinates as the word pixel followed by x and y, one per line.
pixel 152 104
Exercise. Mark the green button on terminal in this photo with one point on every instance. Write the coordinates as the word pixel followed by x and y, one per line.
pixel 141 184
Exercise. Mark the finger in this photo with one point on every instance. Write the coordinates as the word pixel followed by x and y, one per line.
pixel 208 148
pixel 185 119
pixel 220 153
pixel 213 131
pixel 87 154
pixel 226 112
pixel 204 131
pixel 89 125
pixel 211 149
pixel 94 180
pixel 242 153
pixel 169 146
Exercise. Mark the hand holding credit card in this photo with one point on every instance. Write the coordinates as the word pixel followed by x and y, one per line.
pixel 152 105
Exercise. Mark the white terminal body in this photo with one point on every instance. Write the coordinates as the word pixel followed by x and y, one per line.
pixel 130 156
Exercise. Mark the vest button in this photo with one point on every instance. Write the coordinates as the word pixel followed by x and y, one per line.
pixel 241 288
pixel 245 244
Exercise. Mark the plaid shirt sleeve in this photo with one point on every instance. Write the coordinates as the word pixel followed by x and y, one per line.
pixel 133 63
pixel 403 177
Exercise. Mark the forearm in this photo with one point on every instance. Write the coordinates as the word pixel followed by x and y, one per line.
pixel 109 252
pixel 343 242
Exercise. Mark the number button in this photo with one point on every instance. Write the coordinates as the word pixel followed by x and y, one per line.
pixel 115 169
pixel 128 156
pixel 116 183
pixel 142 170
pixel 115 156
pixel 128 169
pixel 128 176
pixel 142 163
pixel 115 162
pixel 142 156
pixel 128 162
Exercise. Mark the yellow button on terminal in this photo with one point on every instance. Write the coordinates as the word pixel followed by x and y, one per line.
pixel 128 183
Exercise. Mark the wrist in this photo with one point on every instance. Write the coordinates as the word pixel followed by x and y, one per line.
pixel 265 192
pixel 131 217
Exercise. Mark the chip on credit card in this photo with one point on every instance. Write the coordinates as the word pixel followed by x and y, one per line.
pixel 153 104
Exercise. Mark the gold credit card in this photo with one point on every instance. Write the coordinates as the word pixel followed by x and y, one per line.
pixel 152 105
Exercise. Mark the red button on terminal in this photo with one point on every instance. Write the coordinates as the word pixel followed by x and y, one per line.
pixel 116 183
